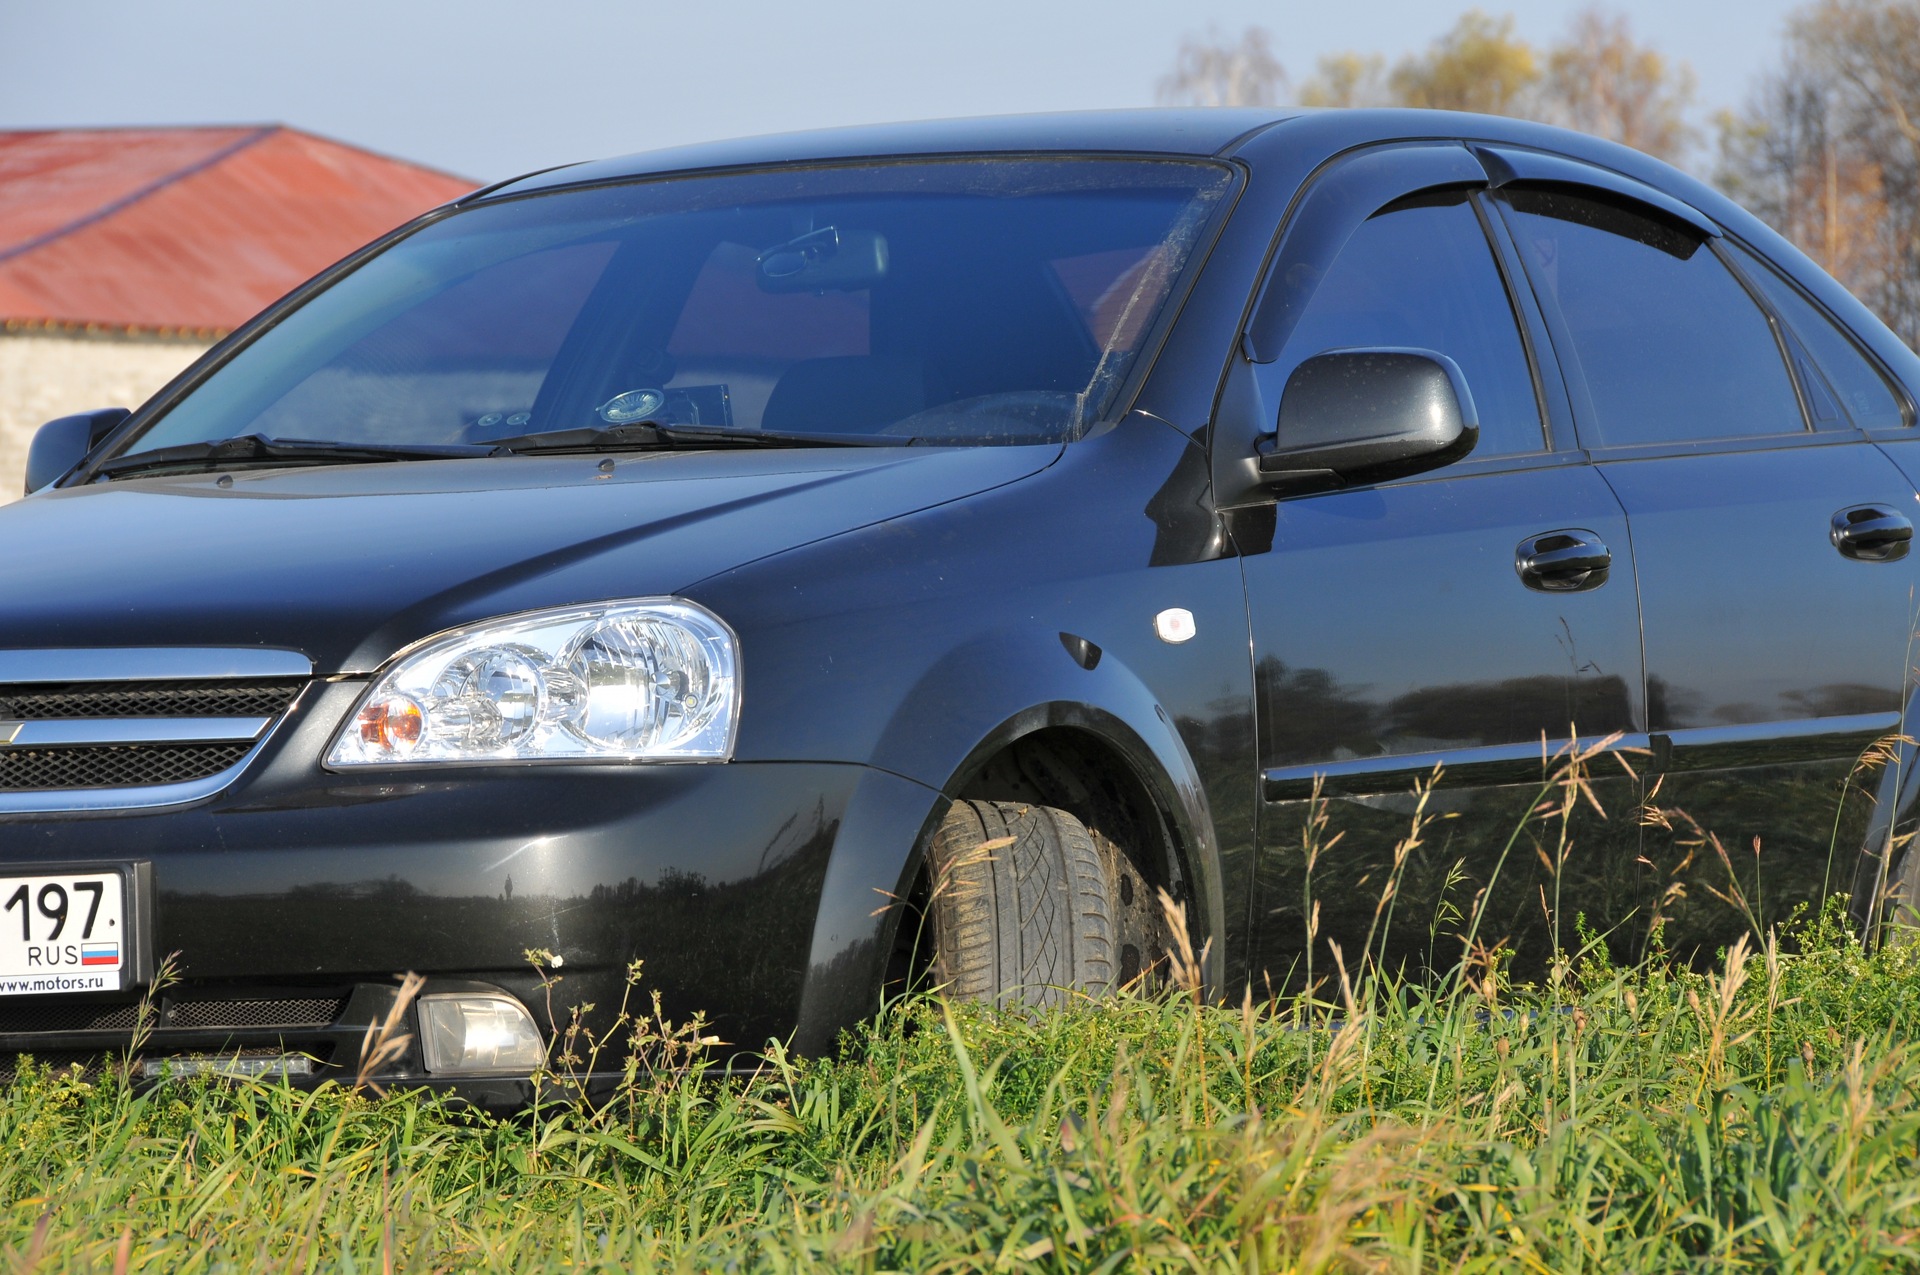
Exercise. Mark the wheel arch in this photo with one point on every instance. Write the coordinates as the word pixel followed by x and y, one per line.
pixel 994 699
pixel 1144 793
pixel 879 855
pixel 1884 880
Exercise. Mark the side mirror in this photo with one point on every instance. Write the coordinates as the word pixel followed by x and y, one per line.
pixel 1360 416
pixel 64 442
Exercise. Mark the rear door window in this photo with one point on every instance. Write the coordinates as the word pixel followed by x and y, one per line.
pixel 1669 344
pixel 1837 363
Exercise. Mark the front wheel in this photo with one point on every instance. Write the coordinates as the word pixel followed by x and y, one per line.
pixel 1028 905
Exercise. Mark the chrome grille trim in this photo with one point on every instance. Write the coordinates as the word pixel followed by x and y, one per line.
pixel 73 736
pixel 151 663
pixel 71 732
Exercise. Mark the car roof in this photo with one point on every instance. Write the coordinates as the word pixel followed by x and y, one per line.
pixel 1177 131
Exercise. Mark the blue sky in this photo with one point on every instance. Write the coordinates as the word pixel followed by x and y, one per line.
pixel 487 89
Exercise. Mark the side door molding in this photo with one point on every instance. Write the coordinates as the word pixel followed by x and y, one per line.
pixel 1476 766
pixel 1659 753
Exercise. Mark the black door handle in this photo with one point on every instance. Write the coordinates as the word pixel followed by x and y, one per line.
pixel 1871 533
pixel 1563 561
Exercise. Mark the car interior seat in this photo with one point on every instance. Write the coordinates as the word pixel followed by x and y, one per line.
pixel 856 394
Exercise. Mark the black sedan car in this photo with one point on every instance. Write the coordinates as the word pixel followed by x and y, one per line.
pixel 792 562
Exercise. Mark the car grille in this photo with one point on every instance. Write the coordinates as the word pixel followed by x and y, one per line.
pixel 312 1012
pixel 134 733
pixel 202 698
pixel 96 1035
pixel 115 766
pixel 237 1015
pixel 57 1017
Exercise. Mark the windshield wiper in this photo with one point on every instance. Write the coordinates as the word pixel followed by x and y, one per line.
pixel 645 436
pixel 258 449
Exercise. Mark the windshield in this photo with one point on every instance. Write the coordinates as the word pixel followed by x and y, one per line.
pixel 969 301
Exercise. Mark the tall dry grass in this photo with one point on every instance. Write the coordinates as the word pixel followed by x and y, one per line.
pixel 1760 1115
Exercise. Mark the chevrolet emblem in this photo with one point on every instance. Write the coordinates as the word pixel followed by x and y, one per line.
pixel 7 732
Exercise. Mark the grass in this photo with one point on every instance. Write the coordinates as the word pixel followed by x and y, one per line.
pixel 1764 1116
pixel 1760 1115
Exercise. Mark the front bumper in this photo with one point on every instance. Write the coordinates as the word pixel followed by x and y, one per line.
pixel 297 884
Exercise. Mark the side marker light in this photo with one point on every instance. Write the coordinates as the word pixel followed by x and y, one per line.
pixel 1175 625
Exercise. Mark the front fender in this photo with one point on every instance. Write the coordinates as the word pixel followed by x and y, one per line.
pixel 1001 686
pixel 919 646
pixel 1016 685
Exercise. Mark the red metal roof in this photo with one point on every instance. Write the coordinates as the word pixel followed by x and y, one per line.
pixel 194 229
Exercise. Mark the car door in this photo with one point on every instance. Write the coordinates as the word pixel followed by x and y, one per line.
pixel 1846 384
pixel 1394 628
pixel 1770 543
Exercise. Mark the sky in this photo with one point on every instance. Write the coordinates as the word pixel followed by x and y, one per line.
pixel 487 89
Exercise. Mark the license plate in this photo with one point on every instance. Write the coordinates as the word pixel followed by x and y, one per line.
pixel 65 932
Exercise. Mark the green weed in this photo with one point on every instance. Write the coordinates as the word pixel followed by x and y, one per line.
pixel 1759 1116
pixel 1763 1114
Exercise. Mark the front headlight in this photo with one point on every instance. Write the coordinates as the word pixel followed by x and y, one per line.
pixel 654 679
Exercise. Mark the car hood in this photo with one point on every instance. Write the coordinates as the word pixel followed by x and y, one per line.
pixel 349 563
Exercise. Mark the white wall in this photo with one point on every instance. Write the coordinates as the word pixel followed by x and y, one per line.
pixel 42 377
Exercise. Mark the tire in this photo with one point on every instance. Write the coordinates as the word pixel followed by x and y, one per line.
pixel 1141 936
pixel 1025 905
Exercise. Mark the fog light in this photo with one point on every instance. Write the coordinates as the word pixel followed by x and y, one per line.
pixel 466 1032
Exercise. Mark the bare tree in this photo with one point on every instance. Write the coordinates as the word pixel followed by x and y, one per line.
pixel 1827 149
pixel 1600 81
pixel 1784 158
pixel 1597 78
pixel 1213 71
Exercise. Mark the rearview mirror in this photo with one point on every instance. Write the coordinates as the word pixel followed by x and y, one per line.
pixel 829 258
pixel 1360 416
pixel 64 442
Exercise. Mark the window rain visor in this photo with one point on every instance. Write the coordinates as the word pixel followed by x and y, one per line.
pixel 967 301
